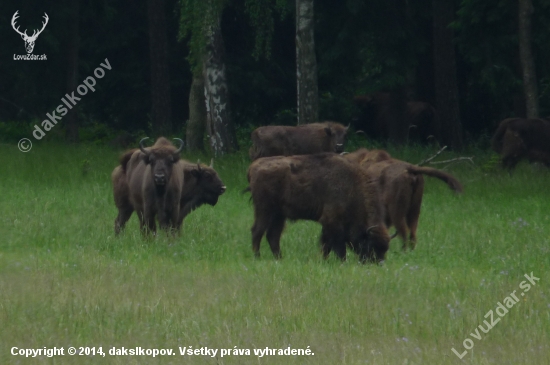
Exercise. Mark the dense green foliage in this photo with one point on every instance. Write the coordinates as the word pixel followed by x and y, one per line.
pixel 362 47
pixel 65 280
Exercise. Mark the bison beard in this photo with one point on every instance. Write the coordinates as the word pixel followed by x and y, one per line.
pixel 325 188
pixel 200 185
pixel 519 138
pixel 401 185
pixel 302 140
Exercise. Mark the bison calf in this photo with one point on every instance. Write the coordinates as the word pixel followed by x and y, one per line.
pixel 325 188
pixel 301 140
pixel 401 186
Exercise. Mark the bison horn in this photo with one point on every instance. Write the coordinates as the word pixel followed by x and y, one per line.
pixel 181 145
pixel 348 126
pixel 371 228
pixel 141 146
pixel 212 163
pixel 199 167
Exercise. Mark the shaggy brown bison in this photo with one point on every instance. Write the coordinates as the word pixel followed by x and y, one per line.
pixel 301 140
pixel 325 188
pixel 201 185
pixel 421 120
pixel 152 178
pixel 519 138
pixel 401 186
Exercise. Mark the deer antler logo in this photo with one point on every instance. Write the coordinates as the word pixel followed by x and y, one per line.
pixel 29 41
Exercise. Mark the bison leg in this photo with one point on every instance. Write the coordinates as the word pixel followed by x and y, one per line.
pixel 124 214
pixel 168 220
pixel 273 235
pixel 333 240
pixel 258 229
pixel 148 224
pixel 510 162
pixel 401 227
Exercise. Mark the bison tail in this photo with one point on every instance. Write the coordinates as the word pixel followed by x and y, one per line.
pixel 246 190
pixel 125 158
pixel 449 179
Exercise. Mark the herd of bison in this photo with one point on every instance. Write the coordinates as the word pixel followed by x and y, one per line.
pixel 302 173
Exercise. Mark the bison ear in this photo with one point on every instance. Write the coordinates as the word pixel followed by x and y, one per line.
pixel 175 157
pixel 328 131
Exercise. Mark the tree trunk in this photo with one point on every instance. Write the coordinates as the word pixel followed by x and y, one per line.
pixel 71 120
pixel 196 125
pixel 526 56
pixel 161 105
pixel 306 64
pixel 218 119
pixel 446 88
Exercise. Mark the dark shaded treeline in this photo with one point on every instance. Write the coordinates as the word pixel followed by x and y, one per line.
pixel 362 48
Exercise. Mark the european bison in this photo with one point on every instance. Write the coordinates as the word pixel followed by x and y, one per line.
pixel 401 186
pixel 201 185
pixel 420 118
pixel 152 181
pixel 301 140
pixel 519 138
pixel 325 188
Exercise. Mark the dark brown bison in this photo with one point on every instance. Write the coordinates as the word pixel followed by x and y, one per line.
pixel 201 185
pixel 519 138
pixel 154 181
pixel 421 120
pixel 401 186
pixel 301 140
pixel 325 188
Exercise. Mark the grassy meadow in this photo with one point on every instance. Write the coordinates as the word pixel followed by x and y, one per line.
pixel 66 280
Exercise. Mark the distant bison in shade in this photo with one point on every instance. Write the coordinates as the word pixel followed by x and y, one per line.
pixel 301 140
pixel 376 110
pixel 518 138
pixel 401 186
pixel 200 185
pixel 325 188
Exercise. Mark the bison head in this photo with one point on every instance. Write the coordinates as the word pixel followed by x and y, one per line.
pixel 373 244
pixel 161 159
pixel 210 183
pixel 337 135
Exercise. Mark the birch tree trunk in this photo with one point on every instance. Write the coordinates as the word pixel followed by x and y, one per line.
pixel 446 87
pixel 526 56
pixel 306 64
pixel 161 105
pixel 218 119
pixel 196 126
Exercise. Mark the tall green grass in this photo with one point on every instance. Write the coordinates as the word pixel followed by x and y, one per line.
pixel 65 280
